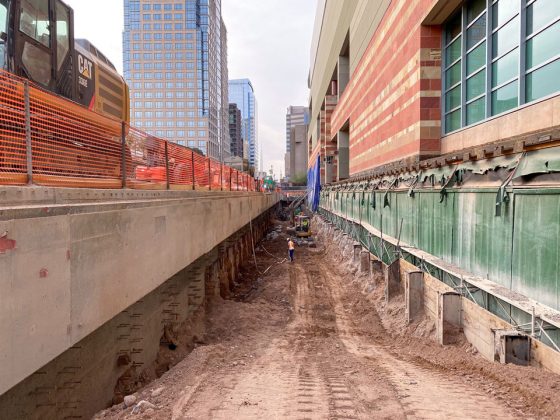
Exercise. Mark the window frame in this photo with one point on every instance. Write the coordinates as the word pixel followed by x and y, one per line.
pixel 522 73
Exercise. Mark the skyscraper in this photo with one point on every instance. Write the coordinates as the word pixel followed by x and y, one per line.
pixel 235 131
pixel 295 115
pixel 175 61
pixel 242 94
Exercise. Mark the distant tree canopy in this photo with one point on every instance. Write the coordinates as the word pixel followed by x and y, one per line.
pixel 300 179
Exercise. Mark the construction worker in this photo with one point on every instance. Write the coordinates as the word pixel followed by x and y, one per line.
pixel 291 249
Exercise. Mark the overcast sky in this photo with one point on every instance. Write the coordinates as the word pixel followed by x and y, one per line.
pixel 268 42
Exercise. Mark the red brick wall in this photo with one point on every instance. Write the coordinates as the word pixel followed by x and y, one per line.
pixel 329 146
pixel 393 99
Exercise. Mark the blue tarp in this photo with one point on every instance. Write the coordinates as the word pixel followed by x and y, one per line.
pixel 314 185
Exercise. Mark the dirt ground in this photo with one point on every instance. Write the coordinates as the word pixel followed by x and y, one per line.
pixel 313 340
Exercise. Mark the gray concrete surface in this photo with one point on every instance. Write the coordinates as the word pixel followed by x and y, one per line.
pixel 78 261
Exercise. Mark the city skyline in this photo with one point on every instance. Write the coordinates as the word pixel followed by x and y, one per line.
pixel 274 55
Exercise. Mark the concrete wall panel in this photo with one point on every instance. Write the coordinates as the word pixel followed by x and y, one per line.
pixel 75 267
pixel 35 297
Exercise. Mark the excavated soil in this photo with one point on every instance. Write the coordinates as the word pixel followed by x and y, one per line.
pixel 314 340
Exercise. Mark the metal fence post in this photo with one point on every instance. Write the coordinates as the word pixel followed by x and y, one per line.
pixel 221 176
pixel 192 167
pixel 230 174
pixel 237 182
pixel 166 166
pixel 123 154
pixel 209 176
pixel 28 146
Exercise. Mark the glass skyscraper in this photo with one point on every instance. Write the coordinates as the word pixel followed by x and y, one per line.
pixel 242 94
pixel 175 62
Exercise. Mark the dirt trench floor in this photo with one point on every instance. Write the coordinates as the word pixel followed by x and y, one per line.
pixel 303 341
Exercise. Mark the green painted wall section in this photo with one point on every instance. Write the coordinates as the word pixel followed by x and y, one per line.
pixel 519 249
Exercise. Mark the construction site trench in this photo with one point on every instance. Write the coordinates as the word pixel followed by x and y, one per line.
pixel 314 339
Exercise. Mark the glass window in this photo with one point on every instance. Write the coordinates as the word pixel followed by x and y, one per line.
pixel 474 9
pixel 453 99
pixel 476 111
pixel 477 32
pixel 62 35
pixel 476 59
pixel 543 82
pixel 543 46
pixel 34 20
pixel 504 10
pixel 541 13
pixel 453 75
pixel 506 68
pixel 506 38
pixel 505 98
pixel 476 85
pixel 453 121
pixel 453 51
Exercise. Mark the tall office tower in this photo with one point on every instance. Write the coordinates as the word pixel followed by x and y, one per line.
pixel 235 131
pixel 242 94
pixel 295 115
pixel 175 61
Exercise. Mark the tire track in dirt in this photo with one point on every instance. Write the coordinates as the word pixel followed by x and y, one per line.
pixel 423 393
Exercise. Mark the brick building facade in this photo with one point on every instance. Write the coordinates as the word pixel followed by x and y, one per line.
pixel 382 92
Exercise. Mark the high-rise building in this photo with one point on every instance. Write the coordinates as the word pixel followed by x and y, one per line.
pixel 175 62
pixel 295 115
pixel 298 154
pixel 235 131
pixel 242 94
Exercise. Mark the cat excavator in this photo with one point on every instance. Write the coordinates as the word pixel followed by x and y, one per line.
pixel 37 43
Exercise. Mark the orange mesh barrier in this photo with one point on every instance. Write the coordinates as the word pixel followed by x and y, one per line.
pixel 181 165
pixel 48 140
pixel 72 146
pixel 13 160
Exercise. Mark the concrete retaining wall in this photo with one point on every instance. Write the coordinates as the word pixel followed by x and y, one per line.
pixel 132 347
pixel 74 267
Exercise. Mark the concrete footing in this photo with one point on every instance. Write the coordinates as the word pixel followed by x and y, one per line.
pixel 392 280
pixel 448 323
pixel 357 248
pixel 513 347
pixel 365 264
pixel 414 295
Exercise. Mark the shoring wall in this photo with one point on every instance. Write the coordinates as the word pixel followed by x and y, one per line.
pixel 517 248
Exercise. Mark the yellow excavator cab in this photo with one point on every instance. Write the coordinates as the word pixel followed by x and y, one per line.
pixel 303 226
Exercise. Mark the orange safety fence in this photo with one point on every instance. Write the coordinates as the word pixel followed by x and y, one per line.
pixel 48 140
